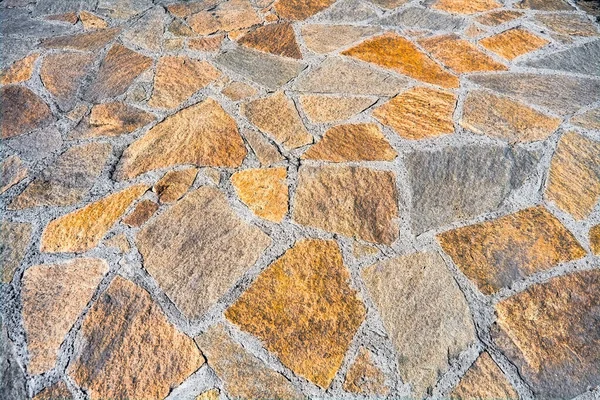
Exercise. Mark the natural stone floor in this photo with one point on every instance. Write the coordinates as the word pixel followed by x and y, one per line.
pixel 285 199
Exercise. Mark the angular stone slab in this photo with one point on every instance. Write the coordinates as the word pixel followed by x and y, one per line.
pixel 424 18
pixel 513 43
pixel 300 9
pixel 14 241
pixel 327 38
pixel 142 212
pixel 588 120
pixel 278 39
pixel 12 171
pixel 484 380
pixel 90 41
pixel 364 377
pixel 19 71
pixel 319 108
pixel 264 191
pixel 62 74
pixel 584 59
pixel 112 119
pixel 22 111
pixel 229 15
pixel 174 184
pixel 348 11
pixel 147 32
pixel 466 6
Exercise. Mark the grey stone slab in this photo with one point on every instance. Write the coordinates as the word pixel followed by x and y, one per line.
pixel 36 145
pixel 584 59
pixel 12 377
pixel 348 11
pixel 53 7
pixel 423 18
pixel 16 21
pixel 148 31
pixel 15 48
pixel 123 9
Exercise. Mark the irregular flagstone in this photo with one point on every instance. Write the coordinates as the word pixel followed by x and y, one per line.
pixel 13 383
pixel 123 9
pixel 277 116
pixel 70 18
pixel 227 16
pixel 180 28
pixel 589 6
pixel 348 11
pixel 310 336
pixel 513 43
pixel 59 292
pixel 244 376
pixel 319 108
pixel 264 69
pixel 568 24
pixel 37 145
pixel 360 250
pixel 68 180
pixel 120 67
pixel 459 183
pixel 352 142
pixel 300 9
pixel 91 41
pixel 545 5
pixel 62 74
pixel 202 134
pixel 58 391
pixel 197 249
pixel 589 119
pixel 549 332
pixel 118 241
pixel 352 201
pixel 20 71
pixel 357 78
pixel 574 179
pixel 484 380
pixel 12 171
pixel 238 91
pixel 278 39
pixel 327 38
pixel 496 116
pixel 16 21
pixel 560 94
pixel 112 119
pixel 266 152
pixel 83 229
pixel 91 21
pixel 595 239
pixel 22 111
pixel 364 377
pixel 174 184
pixel 497 253
pixel 264 191
pixel 584 59
pixel 399 54
pixel 415 294
pixel 209 43
pixel 424 18
pixel 14 241
pixel 147 32
pixel 419 113
pixel 466 6
pixel 142 212
pixel 179 77
pixel 496 18
pixel 128 349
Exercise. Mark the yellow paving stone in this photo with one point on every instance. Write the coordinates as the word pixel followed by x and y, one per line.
pixel 212 394
pixel 91 21
pixel 12 171
pixel 466 6
pixel 22 111
pixel 495 18
pixel 484 380
pixel 112 119
pixel 238 90
pixel 589 119
pixel 266 152
pixel 141 213
pixel 83 229
pixel 513 43
pixel 326 38
pixel 264 191
pixel 226 16
pixel 278 39
pixel 364 377
pixel 174 184
pixel 595 239
pixel 419 113
pixel 19 71
pixel 300 9
pixel 300 333
pixel 322 108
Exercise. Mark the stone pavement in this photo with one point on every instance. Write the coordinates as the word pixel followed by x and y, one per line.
pixel 285 199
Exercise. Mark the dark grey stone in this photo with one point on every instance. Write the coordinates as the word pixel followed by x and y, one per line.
pixel 53 7
pixel 348 11
pixel 15 48
pixel 12 377
pixel 37 145
pixel 424 18
pixel 16 21
pixel 584 59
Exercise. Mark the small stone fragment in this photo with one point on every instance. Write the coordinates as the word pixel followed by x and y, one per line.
pixel 83 229
pixel 77 113
pixel 584 59
pixel 227 16
pixel 209 43
pixel 595 239
pixel 278 39
pixel 147 32
pixel 118 241
pixel 424 18
pixel 58 391
pixel 264 191
pixel 513 43
pixel 300 333
pixel 574 179
pixel 300 9
pixel 238 90
pixel 545 5
pixel 142 212
pixel 328 38
pixel 466 6
pixel 12 171
pixel 361 250
pixel 20 71
pixel 419 113
pixel 127 349
pixel 352 142
pixel 244 376
pixel 389 4
pixel 14 241
pixel 22 111
pixel 568 24
pixel 352 201
pixel 70 18
pixel 588 120
pixel 62 74
pixel 90 41
pixel 266 152
pixel 484 380
pixel 320 108
pixel 364 377
pixel 496 18
pixel 212 394
pixel 59 292
pixel 174 184
pixel 415 294
pixel 113 119
pixel 180 28
pixel 277 116
pixel 120 9
pixel 91 21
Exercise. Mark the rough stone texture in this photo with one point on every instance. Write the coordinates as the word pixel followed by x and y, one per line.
pixel 264 191
pixel 484 380
pixel 352 142
pixel 118 241
pixel 266 152
pixel 574 178
pixel 91 21
pixel 112 119
pixel 197 249
pixel 13 384
pixel 244 376
pixel 58 391
pixel 68 180
pixel 83 229
pixel 595 239
pixel 487 114
pixel 328 38
pixel 497 253
pixel 22 111
pixel 14 241
pixel 310 336
pixel 277 116
pixel 545 5
pixel 466 6
pixel 179 77
pixel 226 16
pixel 415 294
pixel 278 39
pixel 589 119
pixel 568 24
pixel 549 332
pixel 147 32
pixel 348 11
pixel 321 108
pixel 238 91
pixel 352 201
pixel 142 212
pixel 12 171
pixel 20 71
pixel 364 377
pixel 203 134
pixel 419 113
pixel 458 183
pixel 212 394
pixel 300 9
pixel 59 292
pixel 37 145
pixel 209 44
pixel 123 9
pixel 584 59
pixel 496 18
pixel 90 41
pixel 128 349
pixel 513 43
pixel 422 18
pixel 360 250
pixel 174 184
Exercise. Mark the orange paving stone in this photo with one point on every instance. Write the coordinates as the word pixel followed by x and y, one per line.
pixel 20 71
pixel 278 39
pixel 264 191
pixel 174 184
pixel 595 239
pixel 364 377
pixel 513 43
pixel 300 9
pixel 22 111
pixel 484 380
pixel 319 108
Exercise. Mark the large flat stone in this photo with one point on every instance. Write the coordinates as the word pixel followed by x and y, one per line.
pixel 513 43
pixel 147 32
pixel 112 119
pixel 584 59
pixel 22 111
pixel 568 24
pixel 278 39
pixel 322 108
pixel 327 38
pixel 62 73
pixel 424 18
pixel 300 9
pixel 228 15
pixel 14 241
pixel 89 41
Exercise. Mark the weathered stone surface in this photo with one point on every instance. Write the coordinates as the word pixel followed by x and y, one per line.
pixel 264 191
pixel 264 69
pixel 340 75
pixel 363 376
pixel 399 54
pixel 352 201
pixel 14 241
pixel 419 113
pixel 188 8
pixel 458 183
pixel 179 28
pixel 466 6
pixel 568 24
pixel 62 74
pixel 310 336
pixel 37 145
pixel 266 152
pixel 589 119
pixel 589 6
pixel 277 116
pixel 328 38
pixel 352 142
pixel 238 91
pixel 120 67
pixel 348 11
pixel 83 229
pixel 584 59
pixel 13 384
pixel 69 17
pixel 123 9
pixel 118 241
pixel 20 71
pixel 300 9
pixel 320 108
pixel 90 41
pixel 496 18
pixel 112 119
pixel 209 43
pixel 415 294
pixel 513 43
pixel 59 292
pixel 12 171
pixel 487 114
pixel 550 333
pixel 197 249
pixel 141 213
pixel 174 184
pixel 147 32
pixel 179 77
pixel 494 254
pixel 226 16
pixel 202 134
pixel 15 21
pixel 91 21
pixel 595 239
pixel 545 5
pixel 484 380
pixel 58 391
pixel 424 18
pixel 68 180
pixel 128 349
pixel 574 179
pixel 278 39
pixel 244 376
pixel 22 111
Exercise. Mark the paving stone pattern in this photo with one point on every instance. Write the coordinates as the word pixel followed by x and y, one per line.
pixel 298 199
